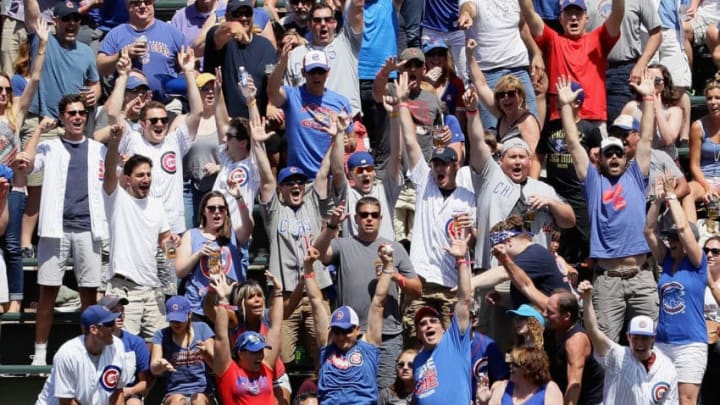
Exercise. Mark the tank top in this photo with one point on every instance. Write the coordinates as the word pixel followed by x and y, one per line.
pixel 538 397
pixel 709 154
pixel 202 152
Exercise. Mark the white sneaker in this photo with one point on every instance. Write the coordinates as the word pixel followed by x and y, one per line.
pixel 37 361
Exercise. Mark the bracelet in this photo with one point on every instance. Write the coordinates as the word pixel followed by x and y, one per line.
pixel 252 103
pixel 277 294
pixel 671 196
pixel 386 271
pixel 394 114
pixel 401 281
pixel 308 275
pixel 228 306
pixel 403 105
pixel 330 226
pixel 471 112
pixel 463 261
pixel 41 53
pixel 649 98
pixel 243 206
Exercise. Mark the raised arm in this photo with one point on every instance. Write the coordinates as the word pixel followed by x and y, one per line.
pixel 322 243
pixel 646 89
pixel 21 107
pixel 484 92
pixel 531 17
pixel 355 15
pixel 519 278
pixel 612 24
pixel 32 14
pixel 112 158
pixel 321 318
pixel 114 105
pixel 381 79
pixel 601 343
pixel 377 306
pixel 414 151
pixel 480 153
pixel 268 183
pixel 222 355
pixel 657 246
pixel 337 154
pixel 186 59
pixel 459 250
pixel 276 318
pixel 26 158
pixel 685 234
pixel 566 96
pixel 276 93
pixel 393 168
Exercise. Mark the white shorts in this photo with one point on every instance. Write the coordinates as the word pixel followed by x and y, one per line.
pixel 53 254
pixel 690 360
pixel 700 25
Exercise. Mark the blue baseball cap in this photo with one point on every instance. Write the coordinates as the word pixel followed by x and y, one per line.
pixel 65 8
pixel 447 155
pixel 626 122
pixel 344 318
pixel 177 309
pixel 572 3
pixel 96 315
pixel 251 341
pixel 291 171
pixel 434 42
pixel 360 158
pixel 134 82
pixel 527 311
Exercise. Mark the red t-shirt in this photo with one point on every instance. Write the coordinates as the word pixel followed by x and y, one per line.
pixel 236 387
pixel 585 61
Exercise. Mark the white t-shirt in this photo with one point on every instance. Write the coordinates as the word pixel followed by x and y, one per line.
pixel 495 28
pixel 246 172
pixel 167 171
pixel 433 224
pixel 135 225
pixel 75 375
pixel 628 382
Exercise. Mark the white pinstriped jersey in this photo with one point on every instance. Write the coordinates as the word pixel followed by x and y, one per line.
pixel 628 382
pixel 433 225
pixel 167 171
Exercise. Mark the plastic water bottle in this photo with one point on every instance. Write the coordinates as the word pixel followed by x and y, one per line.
pixel 145 59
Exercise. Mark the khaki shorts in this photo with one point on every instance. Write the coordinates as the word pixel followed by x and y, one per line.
pixel 53 254
pixel 145 312
pixel 29 126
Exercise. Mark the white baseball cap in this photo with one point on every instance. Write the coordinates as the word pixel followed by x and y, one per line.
pixel 642 325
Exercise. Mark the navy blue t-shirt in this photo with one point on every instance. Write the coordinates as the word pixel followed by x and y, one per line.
pixel 76 208
pixel 540 265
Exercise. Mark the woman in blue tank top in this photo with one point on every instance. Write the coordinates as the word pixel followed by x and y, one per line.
pixel 529 382
pixel 681 330
pixel 705 152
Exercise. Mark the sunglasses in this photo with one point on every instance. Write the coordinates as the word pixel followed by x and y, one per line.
pixel 502 94
pixel 365 214
pixel 7 90
pixel 404 364
pixel 714 251
pixel 216 208
pixel 659 80
pixel 293 182
pixel 71 17
pixel 242 12
pixel 608 153
pixel 341 331
pixel 73 113
pixel 317 71
pixel 414 64
pixel 136 3
pixel 363 169
pixel 110 324
pixel 154 120
pixel 327 20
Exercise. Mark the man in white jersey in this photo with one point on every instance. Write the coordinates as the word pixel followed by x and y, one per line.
pixel 442 208
pixel 166 150
pixel 639 374
pixel 89 369
pixel 138 224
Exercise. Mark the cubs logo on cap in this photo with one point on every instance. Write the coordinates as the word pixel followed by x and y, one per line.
pixel 315 59
pixel 344 318
pixel 576 3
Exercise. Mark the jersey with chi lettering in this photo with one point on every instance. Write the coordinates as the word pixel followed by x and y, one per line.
pixel 442 375
pixel 628 382
pixel 75 375
pixel 167 171
pixel 434 226
pixel 238 387
pixel 245 173
pixel 350 377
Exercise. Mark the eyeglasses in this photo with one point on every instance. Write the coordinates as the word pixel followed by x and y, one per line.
pixel 414 64
pixel 7 90
pixel 404 364
pixel 714 251
pixel 365 214
pixel 363 169
pixel 659 80
pixel 71 17
pixel 608 153
pixel 242 12
pixel 327 20
pixel 502 94
pixel 341 331
pixel 216 208
pixel 154 120
pixel 73 113
pixel 137 3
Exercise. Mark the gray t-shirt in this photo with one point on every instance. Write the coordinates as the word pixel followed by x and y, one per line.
pixel 356 279
pixel 289 231
pixel 385 191
pixel 637 12
pixel 659 162
pixel 342 54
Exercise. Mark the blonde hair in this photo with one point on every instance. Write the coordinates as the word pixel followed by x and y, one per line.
pixel 508 83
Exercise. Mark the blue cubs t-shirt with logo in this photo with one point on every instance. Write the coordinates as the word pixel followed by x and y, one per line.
pixel 681 317
pixel 350 377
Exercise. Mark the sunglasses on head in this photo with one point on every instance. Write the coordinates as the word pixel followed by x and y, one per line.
pixel 327 20
pixel 242 12
pixel 502 94
pixel 365 214
pixel 714 251
pixel 154 120
pixel 341 331
pixel 608 153
pixel 73 113
pixel 404 364
pixel 71 17
pixel 363 169
pixel 7 90
pixel 216 208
